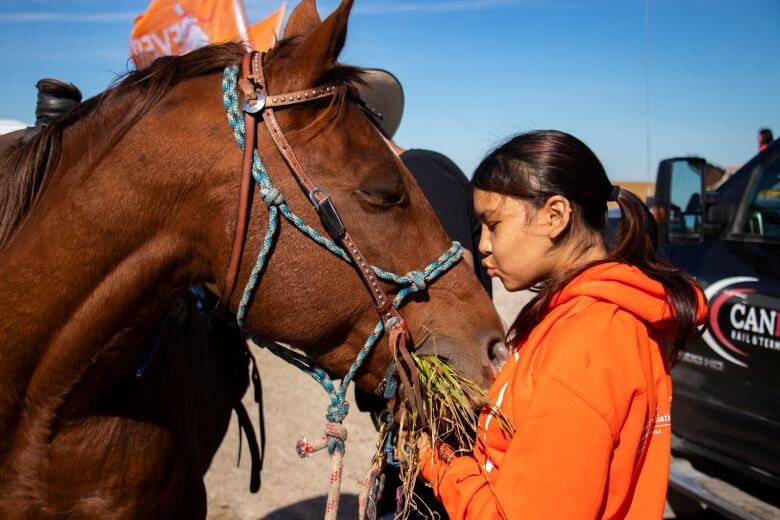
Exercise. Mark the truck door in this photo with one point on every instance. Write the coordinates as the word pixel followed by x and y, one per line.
pixel 727 234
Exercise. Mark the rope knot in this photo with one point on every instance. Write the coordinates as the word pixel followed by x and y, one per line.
pixel 337 412
pixel 336 431
pixel 333 438
pixel 271 196
pixel 336 435
pixel 418 280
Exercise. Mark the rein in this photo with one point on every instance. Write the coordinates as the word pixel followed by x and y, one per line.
pixel 258 102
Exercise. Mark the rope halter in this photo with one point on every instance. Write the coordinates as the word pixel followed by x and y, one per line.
pixel 335 433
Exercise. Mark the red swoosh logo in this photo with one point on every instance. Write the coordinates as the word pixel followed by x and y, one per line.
pixel 714 312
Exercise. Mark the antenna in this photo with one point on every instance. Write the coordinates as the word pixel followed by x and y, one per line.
pixel 647 91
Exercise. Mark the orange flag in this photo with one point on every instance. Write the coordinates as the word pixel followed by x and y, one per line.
pixel 173 27
pixel 263 34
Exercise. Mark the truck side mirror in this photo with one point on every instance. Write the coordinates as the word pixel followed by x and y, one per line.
pixel 679 203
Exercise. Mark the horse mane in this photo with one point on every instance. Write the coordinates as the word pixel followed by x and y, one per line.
pixel 24 169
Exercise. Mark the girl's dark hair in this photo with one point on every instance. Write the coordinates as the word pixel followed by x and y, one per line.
pixel 537 165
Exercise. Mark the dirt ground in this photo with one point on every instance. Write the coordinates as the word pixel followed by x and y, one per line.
pixel 295 488
pixel 292 488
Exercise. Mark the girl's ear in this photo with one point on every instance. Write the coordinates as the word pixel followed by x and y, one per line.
pixel 557 215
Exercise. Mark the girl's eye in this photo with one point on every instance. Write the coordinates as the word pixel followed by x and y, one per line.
pixel 492 226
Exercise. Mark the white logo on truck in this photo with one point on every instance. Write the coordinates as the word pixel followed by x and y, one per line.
pixel 714 330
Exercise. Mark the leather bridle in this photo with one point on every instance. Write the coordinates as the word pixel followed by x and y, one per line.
pixel 258 101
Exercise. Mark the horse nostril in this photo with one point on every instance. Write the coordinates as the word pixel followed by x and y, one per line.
pixel 497 353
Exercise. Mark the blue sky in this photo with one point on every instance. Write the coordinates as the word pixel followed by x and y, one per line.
pixel 476 72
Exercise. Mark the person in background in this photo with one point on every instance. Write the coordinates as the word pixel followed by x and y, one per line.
pixel 55 98
pixel 585 396
pixel 441 181
pixel 765 137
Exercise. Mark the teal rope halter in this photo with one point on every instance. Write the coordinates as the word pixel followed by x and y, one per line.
pixel 413 281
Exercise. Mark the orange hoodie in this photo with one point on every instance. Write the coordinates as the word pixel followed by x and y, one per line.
pixel 582 392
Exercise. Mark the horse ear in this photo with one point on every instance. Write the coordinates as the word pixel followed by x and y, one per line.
pixel 319 49
pixel 303 20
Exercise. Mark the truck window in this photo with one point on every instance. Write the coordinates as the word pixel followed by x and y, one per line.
pixel 685 207
pixel 762 218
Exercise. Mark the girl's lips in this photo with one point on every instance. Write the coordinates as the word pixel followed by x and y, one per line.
pixel 491 272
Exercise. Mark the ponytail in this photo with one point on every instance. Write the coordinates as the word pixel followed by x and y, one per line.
pixel 636 243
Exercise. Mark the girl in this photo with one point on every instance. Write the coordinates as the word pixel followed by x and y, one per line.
pixel 587 385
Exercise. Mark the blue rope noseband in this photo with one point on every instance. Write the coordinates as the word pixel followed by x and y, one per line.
pixel 412 282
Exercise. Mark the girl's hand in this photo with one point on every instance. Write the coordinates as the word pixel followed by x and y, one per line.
pixel 430 453
pixel 443 451
pixel 438 450
pixel 423 443
pixel 423 446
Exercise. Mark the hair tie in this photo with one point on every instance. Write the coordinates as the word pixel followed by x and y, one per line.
pixel 614 194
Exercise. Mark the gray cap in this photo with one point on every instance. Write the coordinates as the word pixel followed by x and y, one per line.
pixel 384 98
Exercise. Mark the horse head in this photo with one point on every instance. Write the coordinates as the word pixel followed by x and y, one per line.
pixel 381 207
pixel 131 198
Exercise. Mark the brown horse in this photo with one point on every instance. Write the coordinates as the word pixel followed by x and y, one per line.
pixel 178 391
pixel 181 402
pixel 9 141
pixel 137 203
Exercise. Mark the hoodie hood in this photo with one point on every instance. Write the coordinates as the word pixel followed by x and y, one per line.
pixel 630 289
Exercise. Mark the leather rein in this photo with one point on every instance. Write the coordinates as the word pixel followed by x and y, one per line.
pixel 259 102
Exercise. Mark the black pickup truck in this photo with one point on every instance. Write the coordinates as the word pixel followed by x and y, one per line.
pixel 726 409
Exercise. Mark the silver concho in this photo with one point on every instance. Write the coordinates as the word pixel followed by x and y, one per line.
pixel 257 107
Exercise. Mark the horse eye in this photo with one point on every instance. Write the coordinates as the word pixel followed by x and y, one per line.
pixel 382 199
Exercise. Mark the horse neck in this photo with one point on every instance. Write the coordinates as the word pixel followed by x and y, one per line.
pixel 106 246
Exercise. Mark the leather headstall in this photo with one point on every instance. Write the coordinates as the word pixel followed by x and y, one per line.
pixel 258 101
